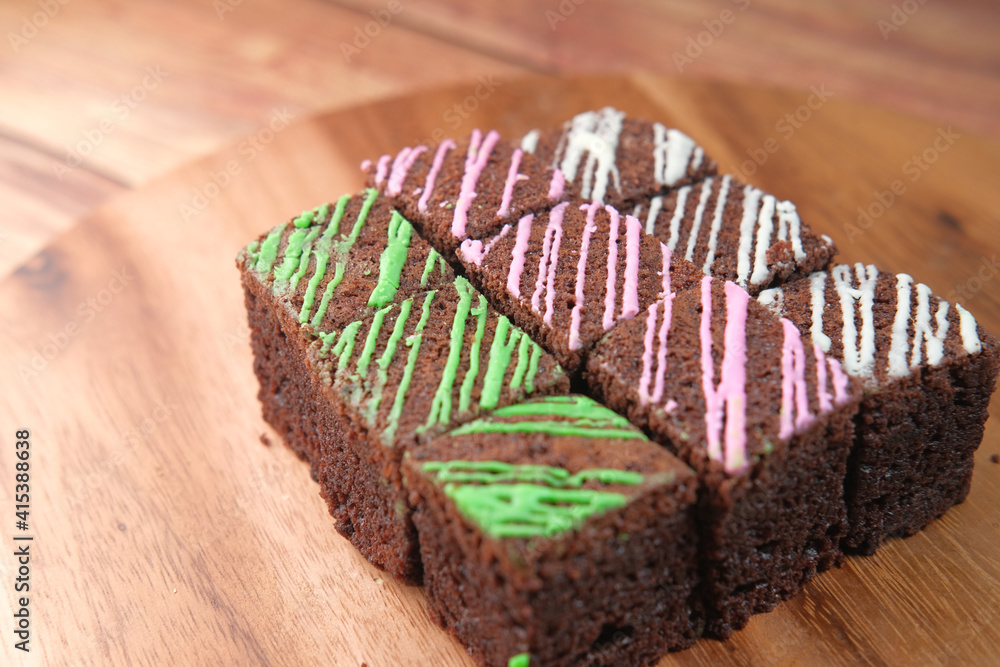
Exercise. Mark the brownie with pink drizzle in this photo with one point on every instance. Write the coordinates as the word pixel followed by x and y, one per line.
pixel 554 532
pixel 765 419
pixel 569 275
pixel 928 371
pixel 605 157
pixel 736 232
pixel 463 189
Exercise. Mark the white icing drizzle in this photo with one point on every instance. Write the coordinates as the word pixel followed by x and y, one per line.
pixel 970 334
pixel 773 299
pixel 713 237
pixel 859 357
pixel 765 227
pixel 672 152
pixel 655 204
pixel 751 200
pixel 817 294
pixel 899 345
pixel 699 155
pixel 675 221
pixel 933 341
pixel 788 220
pixel 594 133
pixel 529 142
pixel 699 213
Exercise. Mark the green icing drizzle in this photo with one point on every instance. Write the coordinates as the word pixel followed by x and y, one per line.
pixel 304 259
pixel 322 254
pixel 345 245
pixel 465 394
pixel 413 342
pixel 253 249
pixel 500 353
pixel 386 359
pixel 522 363
pixel 555 428
pixel 391 262
pixel 345 345
pixel 324 303
pixel 269 251
pixel 293 252
pixel 508 500
pixel 529 380
pixel 520 660
pixel 428 266
pixel 441 403
pixel 328 340
pixel 573 407
pixel 373 333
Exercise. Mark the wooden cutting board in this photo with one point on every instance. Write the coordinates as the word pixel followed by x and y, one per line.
pixel 166 533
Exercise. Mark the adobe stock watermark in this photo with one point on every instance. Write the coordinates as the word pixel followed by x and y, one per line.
pixel 363 35
pixel 30 25
pixel 248 150
pixel 121 109
pixel 85 313
pixel 140 433
pixel 696 44
pixel 914 169
pixel 565 9
pixel 898 17
pixel 986 271
pixel 223 7
pixel 455 115
pixel 786 127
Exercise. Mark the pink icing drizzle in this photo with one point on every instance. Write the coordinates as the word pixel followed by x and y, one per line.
pixel 439 156
pixel 382 169
pixel 508 186
pixel 821 393
pixel 630 291
pixel 732 385
pixel 401 167
pixel 609 292
pixel 473 251
pixel 366 165
pixel 518 255
pixel 794 396
pixel 840 381
pixel 670 406
pixel 581 275
pixel 548 262
pixel 475 161
pixel 647 354
pixel 557 185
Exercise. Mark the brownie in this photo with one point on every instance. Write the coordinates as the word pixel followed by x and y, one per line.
pixel 605 157
pixel 736 232
pixel 470 189
pixel 928 370
pixel 569 275
pixel 553 532
pixel 762 416
pixel 352 397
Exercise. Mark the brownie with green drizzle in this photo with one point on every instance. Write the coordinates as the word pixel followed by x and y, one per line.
pixel 762 415
pixel 606 157
pixel 569 275
pixel 463 189
pixel 553 532
pixel 736 232
pixel 928 371
pixel 359 360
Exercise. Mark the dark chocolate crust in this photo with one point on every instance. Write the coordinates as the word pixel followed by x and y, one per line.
pixel 916 434
pixel 627 574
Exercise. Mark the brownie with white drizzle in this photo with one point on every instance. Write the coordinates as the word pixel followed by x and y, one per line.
pixel 763 417
pixel 928 371
pixel 736 232
pixel 606 157
pixel 553 532
pixel 567 276
pixel 352 396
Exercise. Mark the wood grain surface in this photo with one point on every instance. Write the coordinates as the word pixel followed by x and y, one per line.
pixel 166 533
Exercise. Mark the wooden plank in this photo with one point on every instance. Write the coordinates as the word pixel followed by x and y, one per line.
pixel 165 530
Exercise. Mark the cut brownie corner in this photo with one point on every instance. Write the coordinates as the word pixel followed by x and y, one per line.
pixel 554 529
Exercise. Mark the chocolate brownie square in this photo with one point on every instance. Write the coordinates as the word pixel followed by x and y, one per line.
pixel 764 418
pixel 736 232
pixel 928 371
pixel 553 532
pixel 567 276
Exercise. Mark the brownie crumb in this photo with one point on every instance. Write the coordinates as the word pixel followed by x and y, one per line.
pixel 264 440
pixel 995 458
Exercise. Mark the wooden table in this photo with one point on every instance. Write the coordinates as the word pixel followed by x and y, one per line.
pixel 164 532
